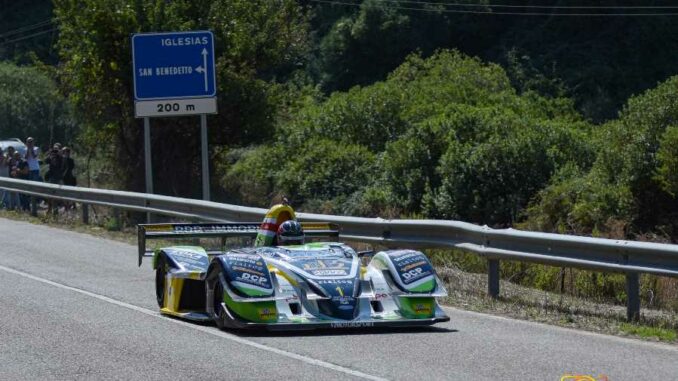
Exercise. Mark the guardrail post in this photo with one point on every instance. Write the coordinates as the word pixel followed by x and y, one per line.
pixel 34 206
pixel 493 278
pixel 633 295
pixel 85 214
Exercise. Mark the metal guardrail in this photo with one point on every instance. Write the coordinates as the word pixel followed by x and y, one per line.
pixel 629 257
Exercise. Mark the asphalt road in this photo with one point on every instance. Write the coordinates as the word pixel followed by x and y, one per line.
pixel 73 306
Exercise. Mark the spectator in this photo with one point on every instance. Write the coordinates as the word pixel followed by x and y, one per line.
pixel 32 160
pixel 10 153
pixel 23 174
pixel 69 177
pixel 18 170
pixel 55 173
pixel 11 198
pixel 4 172
pixel 69 166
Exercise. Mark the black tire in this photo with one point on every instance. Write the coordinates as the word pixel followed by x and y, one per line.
pixel 217 300
pixel 217 296
pixel 160 276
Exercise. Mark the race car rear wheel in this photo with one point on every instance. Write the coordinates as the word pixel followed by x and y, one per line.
pixel 160 276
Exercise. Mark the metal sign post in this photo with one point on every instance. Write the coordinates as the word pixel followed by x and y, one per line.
pixel 148 161
pixel 205 161
pixel 174 75
pixel 147 155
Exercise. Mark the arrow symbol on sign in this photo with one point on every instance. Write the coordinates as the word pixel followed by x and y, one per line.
pixel 203 69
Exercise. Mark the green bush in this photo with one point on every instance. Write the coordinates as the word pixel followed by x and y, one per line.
pixel 322 173
pixel 577 202
pixel 366 116
pixel 410 164
pixel 630 184
pixel 324 169
pixel 491 182
pixel 250 175
pixel 667 157
pixel 113 224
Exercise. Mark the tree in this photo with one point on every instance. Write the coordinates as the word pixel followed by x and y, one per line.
pixel 31 105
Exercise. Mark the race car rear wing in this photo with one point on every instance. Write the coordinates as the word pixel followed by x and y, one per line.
pixel 218 230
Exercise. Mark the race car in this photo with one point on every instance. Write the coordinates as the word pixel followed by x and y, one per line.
pixel 294 287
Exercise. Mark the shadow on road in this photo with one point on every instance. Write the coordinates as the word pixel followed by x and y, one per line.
pixel 325 331
pixel 343 331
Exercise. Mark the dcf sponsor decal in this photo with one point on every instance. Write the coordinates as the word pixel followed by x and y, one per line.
pixel 411 265
pixel 254 279
pixel 249 269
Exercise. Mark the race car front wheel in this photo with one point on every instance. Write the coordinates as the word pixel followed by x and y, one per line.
pixel 215 296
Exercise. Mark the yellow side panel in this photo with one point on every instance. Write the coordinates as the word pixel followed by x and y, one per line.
pixel 173 294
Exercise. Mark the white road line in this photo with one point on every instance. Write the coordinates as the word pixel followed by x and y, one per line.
pixel 208 330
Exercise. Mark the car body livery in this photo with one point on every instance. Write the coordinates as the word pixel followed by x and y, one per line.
pixel 314 285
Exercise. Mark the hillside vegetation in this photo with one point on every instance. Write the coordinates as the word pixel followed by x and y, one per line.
pixel 373 108
pixel 379 110
pixel 445 137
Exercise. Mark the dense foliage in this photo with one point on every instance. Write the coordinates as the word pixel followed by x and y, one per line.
pixel 631 185
pixel 376 108
pixel 599 61
pixel 446 137
pixel 31 105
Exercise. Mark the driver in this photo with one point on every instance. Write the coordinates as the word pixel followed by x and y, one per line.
pixel 290 232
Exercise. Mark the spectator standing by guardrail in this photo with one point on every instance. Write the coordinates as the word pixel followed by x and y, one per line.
pixel 69 178
pixel 55 173
pixel 19 170
pixel 69 166
pixel 4 172
pixel 32 160
pixel 11 198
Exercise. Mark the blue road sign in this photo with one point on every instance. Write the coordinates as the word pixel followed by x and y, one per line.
pixel 173 65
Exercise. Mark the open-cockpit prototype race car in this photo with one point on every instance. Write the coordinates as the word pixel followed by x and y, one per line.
pixel 306 286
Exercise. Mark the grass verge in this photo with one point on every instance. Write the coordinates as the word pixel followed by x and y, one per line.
pixel 468 291
pixel 646 332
